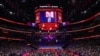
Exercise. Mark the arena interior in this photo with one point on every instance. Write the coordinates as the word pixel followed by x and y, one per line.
pixel 49 27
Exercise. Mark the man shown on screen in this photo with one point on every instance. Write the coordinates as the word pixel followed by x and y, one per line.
pixel 50 16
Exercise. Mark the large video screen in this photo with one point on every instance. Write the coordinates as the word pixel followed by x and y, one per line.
pixel 48 16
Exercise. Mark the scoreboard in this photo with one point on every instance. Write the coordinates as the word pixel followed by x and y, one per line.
pixel 48 15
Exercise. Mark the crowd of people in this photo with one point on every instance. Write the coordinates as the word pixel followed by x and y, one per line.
pixel 11 48
pixel 85 48
pixel 78 48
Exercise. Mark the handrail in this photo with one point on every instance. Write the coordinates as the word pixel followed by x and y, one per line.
pixel 93 36
pixel 11 38
pixel 14 30
pixel 84 29
pixel 14 22
pixel 67 31
pixel 88 19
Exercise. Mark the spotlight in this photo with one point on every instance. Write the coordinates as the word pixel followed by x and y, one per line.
pixel 64 23
pixel 33 25
pixel 85 11
pixel 10 12
pixel 56 40
pixel 1 5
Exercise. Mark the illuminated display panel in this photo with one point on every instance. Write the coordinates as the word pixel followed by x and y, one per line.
pixel 48 17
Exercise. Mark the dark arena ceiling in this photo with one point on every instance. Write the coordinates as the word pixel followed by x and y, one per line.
pixel 83 17
pixel 73 10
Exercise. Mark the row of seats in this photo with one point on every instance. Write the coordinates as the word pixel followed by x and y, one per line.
pixel 77 48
